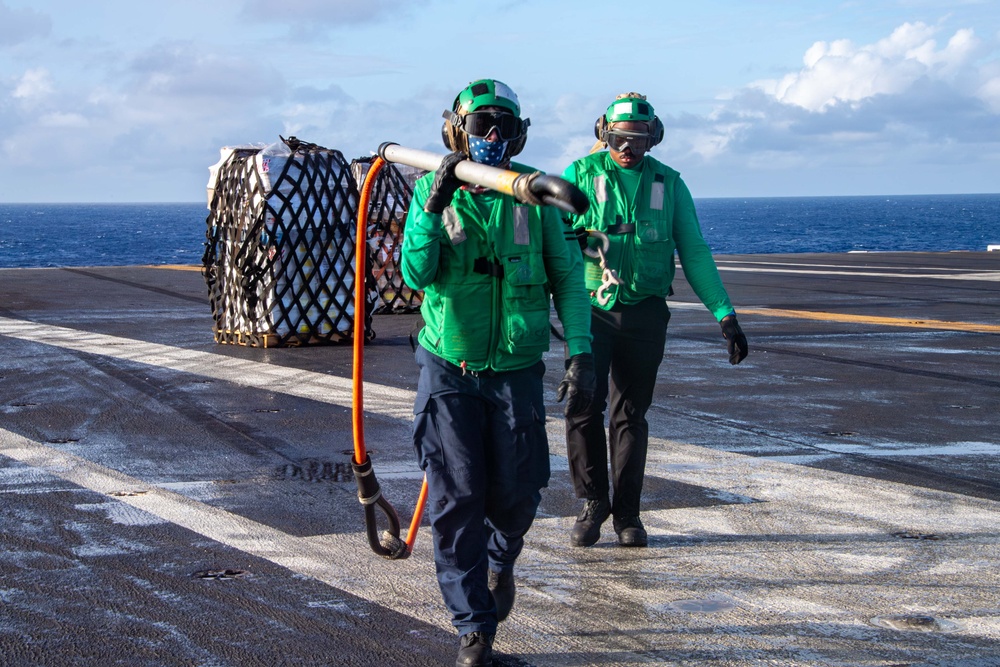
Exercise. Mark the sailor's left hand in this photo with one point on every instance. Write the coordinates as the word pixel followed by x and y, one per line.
pixel 578 384
pixel 735 339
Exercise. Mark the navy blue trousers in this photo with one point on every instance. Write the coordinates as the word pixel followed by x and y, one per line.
pixel 480 439
pixel 628 348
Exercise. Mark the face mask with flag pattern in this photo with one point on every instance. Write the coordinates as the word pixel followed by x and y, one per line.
pixel 487 152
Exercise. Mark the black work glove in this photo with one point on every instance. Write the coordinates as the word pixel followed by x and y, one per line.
pixel 733 334
pixel 578 384
pixel 445 183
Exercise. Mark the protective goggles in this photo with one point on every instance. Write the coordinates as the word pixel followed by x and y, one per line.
pixel 481 123
pixel 618 141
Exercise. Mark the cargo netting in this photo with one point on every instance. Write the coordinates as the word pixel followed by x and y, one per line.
pixel 387 208
pixel 279 257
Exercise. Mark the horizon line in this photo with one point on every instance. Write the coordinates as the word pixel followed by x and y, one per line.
pixel 191 202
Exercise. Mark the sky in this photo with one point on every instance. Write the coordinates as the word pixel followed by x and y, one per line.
pixel 126 101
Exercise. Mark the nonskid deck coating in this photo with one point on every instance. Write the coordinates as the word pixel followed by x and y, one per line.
pixel 790 500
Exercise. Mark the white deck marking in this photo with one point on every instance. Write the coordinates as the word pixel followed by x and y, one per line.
pixel 990 276
pixel 340 560
pixel 379 399
pixel 895 270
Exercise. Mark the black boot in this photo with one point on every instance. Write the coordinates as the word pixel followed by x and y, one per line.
pixel 587 529
pixel 475 650
pixel 630 532
pixel 502 589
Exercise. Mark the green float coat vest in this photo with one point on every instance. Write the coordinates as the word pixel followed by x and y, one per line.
pixel 648 215
pixel 487 266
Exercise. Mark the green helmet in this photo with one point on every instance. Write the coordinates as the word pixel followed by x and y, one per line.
pixel 476 96
pixel 630 106
pixel 487 93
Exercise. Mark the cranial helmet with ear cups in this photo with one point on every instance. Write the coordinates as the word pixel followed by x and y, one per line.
pixel 630 107
pixel 476 96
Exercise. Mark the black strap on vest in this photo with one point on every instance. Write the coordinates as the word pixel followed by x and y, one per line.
pixel 488 267
pixel 621 228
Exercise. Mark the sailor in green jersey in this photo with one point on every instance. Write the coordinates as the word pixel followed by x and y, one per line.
pixel 647 213
pixel 487 265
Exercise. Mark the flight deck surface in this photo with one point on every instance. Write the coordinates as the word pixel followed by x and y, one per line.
pixel 833 500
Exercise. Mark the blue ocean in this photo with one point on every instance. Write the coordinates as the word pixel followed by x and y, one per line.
pixel 53 235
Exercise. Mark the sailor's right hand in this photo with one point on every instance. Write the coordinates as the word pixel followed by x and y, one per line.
pixel 445 183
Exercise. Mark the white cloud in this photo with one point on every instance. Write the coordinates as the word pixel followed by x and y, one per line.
pixel 990 93
pixel 159 108
pixel 909 108
pixel 34 84
pixel 903 90
pixel 839 71
pixel 180 71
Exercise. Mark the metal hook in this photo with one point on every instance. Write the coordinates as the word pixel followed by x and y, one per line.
pixel 609 276
pixel 598 252
pixel 370 495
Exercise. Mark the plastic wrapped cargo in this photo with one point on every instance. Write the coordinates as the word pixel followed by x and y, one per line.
pixel 279 258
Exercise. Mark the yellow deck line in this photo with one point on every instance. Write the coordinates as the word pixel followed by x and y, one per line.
pixel 944 325
pixel 868 319
pixel 175 267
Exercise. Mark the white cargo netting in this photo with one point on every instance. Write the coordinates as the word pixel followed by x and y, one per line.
pixel 279 257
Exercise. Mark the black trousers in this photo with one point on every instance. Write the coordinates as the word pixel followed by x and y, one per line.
pixel 628 348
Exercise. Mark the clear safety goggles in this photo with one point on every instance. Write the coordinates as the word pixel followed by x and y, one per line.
pixel 481 123
pixel 619 140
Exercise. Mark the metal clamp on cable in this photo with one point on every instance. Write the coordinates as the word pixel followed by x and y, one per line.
pixel 370 496
pixel 609 276
pixel 537 188
pixel 523 190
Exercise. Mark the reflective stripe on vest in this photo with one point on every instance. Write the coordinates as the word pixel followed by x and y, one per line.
pixel 600 189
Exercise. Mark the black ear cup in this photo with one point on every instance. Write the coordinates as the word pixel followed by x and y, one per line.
pixel 656 131
pixel 517 145
pixel 600 127
pixel 446 133
pixel 453 138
